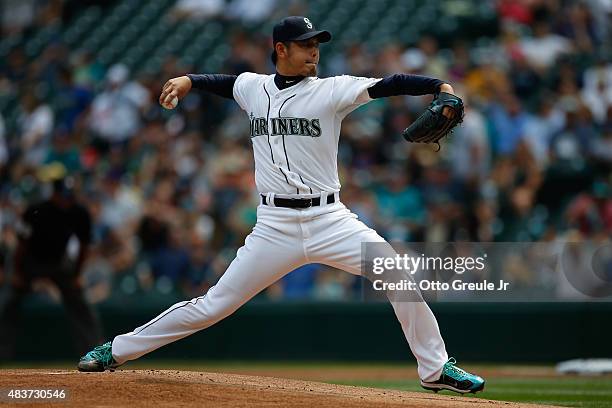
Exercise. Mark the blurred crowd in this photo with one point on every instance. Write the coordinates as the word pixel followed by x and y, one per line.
pixel 171 193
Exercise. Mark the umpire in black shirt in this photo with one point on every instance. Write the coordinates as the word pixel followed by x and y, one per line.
pixel 41 252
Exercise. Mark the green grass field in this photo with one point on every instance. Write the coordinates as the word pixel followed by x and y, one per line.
pixel 565 391
pixel 571 391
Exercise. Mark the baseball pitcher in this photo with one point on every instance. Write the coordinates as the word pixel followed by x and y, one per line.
pixel 295 120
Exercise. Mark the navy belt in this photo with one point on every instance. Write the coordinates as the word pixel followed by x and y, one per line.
pixel 298 202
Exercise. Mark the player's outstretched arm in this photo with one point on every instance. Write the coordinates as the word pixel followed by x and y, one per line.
pixel 219 84
pixel 407 84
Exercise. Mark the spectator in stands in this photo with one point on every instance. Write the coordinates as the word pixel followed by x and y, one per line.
pixel 471 152
pixel 63 150
pixel 116 113
pixel 87 71
pixel 601 148
pixel 35 126
pixel 573 141
pixel 401 207
pixel 250 12
pixel 197 9
pixel 540 128
pixel 71 100
pixel 577 25
pixel 163 253
pixel 121 205
pixel 591 212
pixel 597 91
pixel 543 49
pixel 17 15
pixel 509 121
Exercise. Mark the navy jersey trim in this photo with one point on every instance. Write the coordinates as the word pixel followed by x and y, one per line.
pixel 303 182
pixel 285 148
pixel 170 311
pixel 268 121
pixel 267 124
pixel 283 136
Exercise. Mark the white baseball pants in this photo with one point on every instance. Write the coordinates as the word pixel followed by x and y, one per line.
pixel 282 240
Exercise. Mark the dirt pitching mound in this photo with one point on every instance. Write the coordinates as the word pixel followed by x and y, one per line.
pixel 156 388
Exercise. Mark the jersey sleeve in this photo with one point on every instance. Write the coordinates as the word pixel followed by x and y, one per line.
pixel 350 92
pixel 244 88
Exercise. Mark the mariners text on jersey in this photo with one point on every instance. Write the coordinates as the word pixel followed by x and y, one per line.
pixel 285 127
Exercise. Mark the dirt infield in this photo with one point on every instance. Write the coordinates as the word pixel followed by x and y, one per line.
pixel 330 373
pixel 145 388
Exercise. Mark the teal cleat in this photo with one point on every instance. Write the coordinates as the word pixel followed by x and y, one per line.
pixel 98 359
pixel 455 379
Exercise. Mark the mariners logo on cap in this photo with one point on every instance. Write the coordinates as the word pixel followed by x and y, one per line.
pixel 308 23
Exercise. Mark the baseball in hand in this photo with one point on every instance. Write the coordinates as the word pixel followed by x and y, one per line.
pixel 172 104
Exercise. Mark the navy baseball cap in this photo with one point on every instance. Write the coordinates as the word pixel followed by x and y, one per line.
pixel 297 28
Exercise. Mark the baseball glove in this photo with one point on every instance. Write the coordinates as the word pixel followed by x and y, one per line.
pixel 432 125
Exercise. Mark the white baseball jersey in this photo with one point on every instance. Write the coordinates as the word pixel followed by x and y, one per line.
pixel 295 130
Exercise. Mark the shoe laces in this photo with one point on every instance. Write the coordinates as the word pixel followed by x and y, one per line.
pixel 102 352
pixel 451 368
